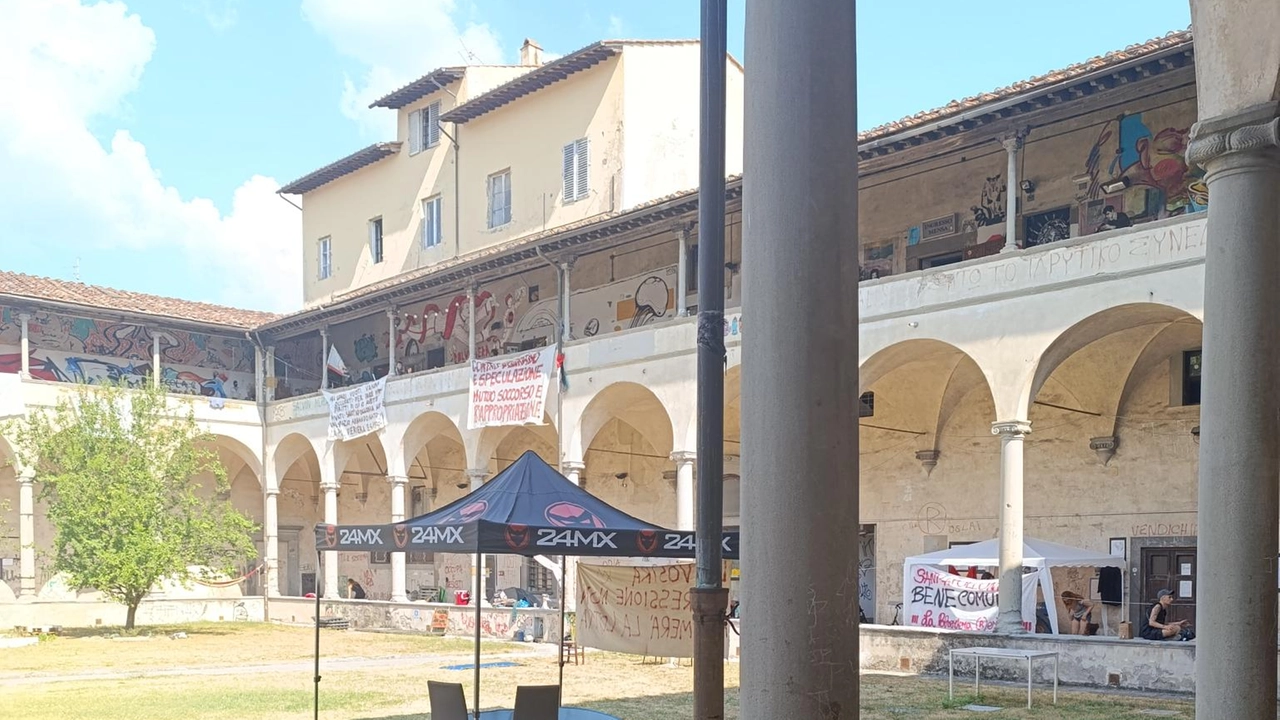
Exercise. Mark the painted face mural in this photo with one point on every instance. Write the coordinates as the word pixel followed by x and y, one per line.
pixel 567 514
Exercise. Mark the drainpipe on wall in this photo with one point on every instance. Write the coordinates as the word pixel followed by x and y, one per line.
pixel 1013 146
pixel 457 187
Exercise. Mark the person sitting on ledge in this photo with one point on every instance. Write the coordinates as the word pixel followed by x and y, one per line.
pixel 1081 612
pixel 1154 623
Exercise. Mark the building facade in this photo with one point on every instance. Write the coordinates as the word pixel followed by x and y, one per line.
pixel 1032 274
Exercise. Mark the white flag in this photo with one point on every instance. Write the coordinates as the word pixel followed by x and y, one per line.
pixel 335 361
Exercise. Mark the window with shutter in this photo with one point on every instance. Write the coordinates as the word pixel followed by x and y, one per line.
pixel 324 258
pixel 576 169
pixel 415 132
pixel 375 239
pixel 499 199
pixel 584 184
pixel 431 125
pixel 431 231
pixel 570 168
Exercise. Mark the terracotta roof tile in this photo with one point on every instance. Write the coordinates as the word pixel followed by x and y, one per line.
pixel 955 107
pixel 91 297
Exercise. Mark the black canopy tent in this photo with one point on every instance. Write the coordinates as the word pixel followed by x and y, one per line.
pixel 527 509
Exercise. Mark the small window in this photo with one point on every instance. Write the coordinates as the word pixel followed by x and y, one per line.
pixel 375 239
pixel 435 358
pixel 1191 377
pixel 691 269
pixel 431 223
pixel 324 256
pixel 940 260
pixel 867 404
pixel 499 199
pixel 577 167
pixel 424 128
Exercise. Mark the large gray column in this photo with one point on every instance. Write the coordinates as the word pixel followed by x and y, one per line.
pixel 331 569
pixel 1239 417
pixel 1011 513
pixel 799 370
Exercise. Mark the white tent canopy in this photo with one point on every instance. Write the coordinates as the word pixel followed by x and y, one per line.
pixel 1039 554
pixel 1035 553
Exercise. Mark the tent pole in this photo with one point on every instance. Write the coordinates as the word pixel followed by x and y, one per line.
pixel 479 593
pixel 564 587
pixel 319 570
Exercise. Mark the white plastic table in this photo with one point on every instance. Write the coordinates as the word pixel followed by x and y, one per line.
pixel 977 653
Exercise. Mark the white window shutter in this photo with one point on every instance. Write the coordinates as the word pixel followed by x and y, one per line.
pixel 570 185
pixel 432 117
pixel 584 167
pixel 415 132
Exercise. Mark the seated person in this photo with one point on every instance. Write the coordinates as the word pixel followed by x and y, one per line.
pixel 354 590
pixel 1154 624
pixel 1081 612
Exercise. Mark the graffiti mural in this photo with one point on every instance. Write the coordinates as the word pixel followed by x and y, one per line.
pixel 297 365
pixel 877 261
pixel 1136 175
pixel 990 209
pixel 1047 227
pixel 625 304
pixel 72 349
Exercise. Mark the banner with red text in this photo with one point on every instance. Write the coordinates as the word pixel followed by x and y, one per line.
pixel 641 610
pixel 934 598
pixel 510 390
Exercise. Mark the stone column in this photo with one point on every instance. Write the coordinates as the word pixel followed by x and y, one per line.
pixel 1011 434
pixel 800 380
pixel 398 591
pixel 684 488
pixel 27 535
pixel 1239 424
pixel 682 273
pixel 330 557
pixel 324 359
pixel 477 477
pixel 270 391
pixel 1013 147
pixel 24 322
pixel 391 346
pixel 155 358
pixel 573 470
pixel 271 539
pixel 566 320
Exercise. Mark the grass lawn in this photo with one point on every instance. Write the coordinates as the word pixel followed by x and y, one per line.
pixel 396 688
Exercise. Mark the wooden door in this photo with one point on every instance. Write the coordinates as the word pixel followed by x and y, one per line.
pixel 1171 569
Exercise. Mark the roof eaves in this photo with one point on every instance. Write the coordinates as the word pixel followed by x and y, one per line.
pixel 420 88
pixel 338 168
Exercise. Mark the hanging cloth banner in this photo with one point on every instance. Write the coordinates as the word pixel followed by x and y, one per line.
pixel 358 410
pixel 934 598
pixel 510 390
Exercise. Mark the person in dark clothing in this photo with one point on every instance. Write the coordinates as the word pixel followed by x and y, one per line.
pixel 1154 624
pixel 354 591
pixel 1112 220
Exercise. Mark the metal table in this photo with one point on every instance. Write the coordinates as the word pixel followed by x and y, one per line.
pixel 977 653
pixel 566 713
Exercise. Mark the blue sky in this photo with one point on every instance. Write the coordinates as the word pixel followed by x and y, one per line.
pixel 147 137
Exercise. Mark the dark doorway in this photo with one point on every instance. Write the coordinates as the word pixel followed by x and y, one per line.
pixel 1174 569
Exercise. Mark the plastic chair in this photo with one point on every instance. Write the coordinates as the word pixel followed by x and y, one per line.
pixel 536 702
pixel 448 702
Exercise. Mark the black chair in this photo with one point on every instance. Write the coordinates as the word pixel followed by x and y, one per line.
pixel 536 702
pixel 448 702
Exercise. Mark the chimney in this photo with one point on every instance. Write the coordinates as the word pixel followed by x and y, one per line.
pixel 530 53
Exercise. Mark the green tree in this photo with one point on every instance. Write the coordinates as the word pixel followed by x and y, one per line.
pixel 117 469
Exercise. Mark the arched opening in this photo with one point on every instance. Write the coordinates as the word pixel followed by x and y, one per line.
pixel 300 506
pixel 436 464
pixel 928 465
pixel 364 498
pixel 244 492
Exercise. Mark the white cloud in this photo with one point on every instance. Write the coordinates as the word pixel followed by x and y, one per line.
pixel 64 65
pixel 615 27
pixel 395 42
pixel 220 14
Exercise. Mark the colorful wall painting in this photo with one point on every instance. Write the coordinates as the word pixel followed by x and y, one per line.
pixel 877 261
pixel 74 349
pixel 1047 227
pixel 297 365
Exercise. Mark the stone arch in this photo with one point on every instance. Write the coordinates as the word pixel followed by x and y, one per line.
pixel 435 462
pixel 291 449
pixel 644 411
pixel 225 444
pixel 484 444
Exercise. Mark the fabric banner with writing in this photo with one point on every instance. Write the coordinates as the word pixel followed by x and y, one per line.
pixel 358 410
pixel 637 610
pixel 510 390
pixel 934 598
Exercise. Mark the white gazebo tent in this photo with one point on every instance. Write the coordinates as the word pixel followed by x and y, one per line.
pixel 1039 554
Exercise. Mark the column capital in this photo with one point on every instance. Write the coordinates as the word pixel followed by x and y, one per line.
pixel 397 480
pixel 24 317
pixel 477 475
pixel 568 261
pixel 681 457
pixel 26 475
pixel 271 492
pixel 573 465
pixel 1011 428
pixel 1255 130
pixel 327 486
pixel 1013 141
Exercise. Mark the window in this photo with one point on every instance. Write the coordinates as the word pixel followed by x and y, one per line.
pixel 325 258
pixel 375 239
pixel 940 260
pixel 499 199
pixel 431 223
pixel 691 269
pixel 424 128
pixel 867 405
pixel 576 170
pixel 1191 377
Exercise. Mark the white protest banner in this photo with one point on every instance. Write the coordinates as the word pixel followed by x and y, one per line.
pixel 933 598
pixel 510 390
pixel 638 610
pixel 357 411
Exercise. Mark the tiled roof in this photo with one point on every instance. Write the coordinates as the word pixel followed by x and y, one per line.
pixel 551 73
pixel 1041 82
pixel 420 88
pixel 16 286
pixel 338 168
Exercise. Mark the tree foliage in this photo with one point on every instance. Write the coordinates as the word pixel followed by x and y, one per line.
pixel 119 472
